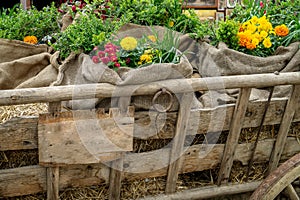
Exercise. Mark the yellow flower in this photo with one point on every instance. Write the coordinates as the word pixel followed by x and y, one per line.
pixel 146 58
pixel 171 23
pixel 30 39
pixel 263 35
pixel 255 41
pixel 152 38
pixel 128 43
pixel 281 30
pixel 267 42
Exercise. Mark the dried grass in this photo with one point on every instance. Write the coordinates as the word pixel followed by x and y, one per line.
pixel 33 109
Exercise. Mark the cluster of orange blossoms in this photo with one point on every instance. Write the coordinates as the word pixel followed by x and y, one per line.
pixel 258 30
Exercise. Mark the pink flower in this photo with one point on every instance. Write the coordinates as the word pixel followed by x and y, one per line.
pixel 74 8
pixel 127 60
pixel 105 60
pixel 95 48
pixel 114 58
pixel 261 4
pixel 101 54
pixel 95 59
pixel 117 64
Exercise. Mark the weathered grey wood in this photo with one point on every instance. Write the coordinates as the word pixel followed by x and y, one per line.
pixel 291 192
pixel 63 93
pixel 208 192
pixel 52 178
pixel 83 137
pixel 178 142
pixel 115 179
pixel 21 133
pixel 284 128
pixel 234 134
pixel 14 182
pixel 52 183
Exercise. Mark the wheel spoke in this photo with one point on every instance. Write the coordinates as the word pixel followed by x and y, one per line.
pixel 291 192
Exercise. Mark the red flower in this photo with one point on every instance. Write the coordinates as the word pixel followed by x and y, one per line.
pixel 261 4
pixel 105 60
pixel 127 60
pixel 114 58
pixel 74 8
pixel 101 54
pixel 95 59
pixel 117 64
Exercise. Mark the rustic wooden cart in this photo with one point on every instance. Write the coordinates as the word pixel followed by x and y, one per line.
pixel 64 164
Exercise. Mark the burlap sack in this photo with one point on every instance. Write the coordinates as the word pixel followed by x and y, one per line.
pixel 223 61
pixel 11 50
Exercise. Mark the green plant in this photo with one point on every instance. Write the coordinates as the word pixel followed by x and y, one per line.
pixel 132 52
pixel 17 23
pixel 85 33
pixel 167 13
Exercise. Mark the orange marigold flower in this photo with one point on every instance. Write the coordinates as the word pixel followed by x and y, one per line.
pixel 281 30
pixel 250 45
pixel 30 39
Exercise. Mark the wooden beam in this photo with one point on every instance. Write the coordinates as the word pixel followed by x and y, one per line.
pixel 284 128
pixel 208 192
pixel 14 182
pixel 178 142
pixel 52 177
pixel 234 134
pixel 21 133
pixel 86 91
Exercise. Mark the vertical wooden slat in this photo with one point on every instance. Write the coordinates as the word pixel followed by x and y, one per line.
pixel 233 136
pixel 53 172
pixel 115 179
pixel 284 128
pixel 52 183
pixel 178 142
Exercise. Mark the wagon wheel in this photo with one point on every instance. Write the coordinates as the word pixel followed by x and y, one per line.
pixel 279 180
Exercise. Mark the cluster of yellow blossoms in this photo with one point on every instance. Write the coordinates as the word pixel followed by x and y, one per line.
pixel 258 30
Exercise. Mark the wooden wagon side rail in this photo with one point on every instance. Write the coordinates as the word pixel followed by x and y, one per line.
pixel 14 182
pixel 87 91
pixel 174 163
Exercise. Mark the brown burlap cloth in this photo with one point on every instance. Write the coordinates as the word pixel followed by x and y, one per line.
pixel 24 65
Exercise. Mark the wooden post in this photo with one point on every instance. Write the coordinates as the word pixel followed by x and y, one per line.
pixel 178 142
pixel 53 172
pixel 234 134
pixel 115 179
pixel 284 128
pixel 26 4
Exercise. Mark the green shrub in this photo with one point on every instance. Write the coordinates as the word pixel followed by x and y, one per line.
pixel 16 23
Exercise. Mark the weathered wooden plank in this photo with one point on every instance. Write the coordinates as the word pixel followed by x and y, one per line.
pixel 52 179
pixel 52 183
pixel 115 179
pixel 178 142
pixel 284 128
pixel 83 137
pixel 207 192
pixel 136 166
pixel 234 134
pixel 21 133
pixel 86 91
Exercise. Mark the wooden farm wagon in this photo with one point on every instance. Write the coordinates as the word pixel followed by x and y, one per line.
pixel 65 159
